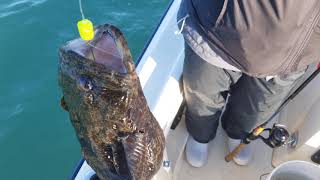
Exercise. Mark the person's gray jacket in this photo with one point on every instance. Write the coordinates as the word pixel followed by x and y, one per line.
pixel 258 37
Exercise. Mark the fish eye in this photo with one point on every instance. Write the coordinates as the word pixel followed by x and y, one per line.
pixel 85 83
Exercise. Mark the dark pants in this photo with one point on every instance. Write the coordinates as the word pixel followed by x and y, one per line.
pixel 251 100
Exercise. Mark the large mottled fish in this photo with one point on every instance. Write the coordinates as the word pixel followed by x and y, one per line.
pixel 119 136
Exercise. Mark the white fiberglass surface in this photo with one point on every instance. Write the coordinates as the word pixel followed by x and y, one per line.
pixel 218 169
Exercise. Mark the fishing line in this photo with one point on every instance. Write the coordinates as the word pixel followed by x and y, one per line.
pixel 262 175
pixel 93 56
pixel 90 29
pixel 81 10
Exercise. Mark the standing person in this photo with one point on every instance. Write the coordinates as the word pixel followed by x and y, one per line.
pixel 254 52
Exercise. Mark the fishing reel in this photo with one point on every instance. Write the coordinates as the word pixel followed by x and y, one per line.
pixel 278 136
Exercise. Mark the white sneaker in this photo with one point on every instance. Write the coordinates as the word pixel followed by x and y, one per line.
pixel 196 152
pixel 245 156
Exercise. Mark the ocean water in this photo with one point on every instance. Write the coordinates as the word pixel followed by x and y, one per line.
pixel 37 140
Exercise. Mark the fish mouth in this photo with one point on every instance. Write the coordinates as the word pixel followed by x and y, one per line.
pixel 108 48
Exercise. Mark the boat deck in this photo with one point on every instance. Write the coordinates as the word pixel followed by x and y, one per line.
pixel 217 168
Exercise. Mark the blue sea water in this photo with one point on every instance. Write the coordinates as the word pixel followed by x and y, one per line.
pixel 37 140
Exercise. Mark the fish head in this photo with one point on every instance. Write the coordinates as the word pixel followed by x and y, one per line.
pixel 108 48
pixel 97 76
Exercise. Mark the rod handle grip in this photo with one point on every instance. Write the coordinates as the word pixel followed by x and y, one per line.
pixel 235 152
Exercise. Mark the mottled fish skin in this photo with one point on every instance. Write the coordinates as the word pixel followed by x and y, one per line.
pixel 119 136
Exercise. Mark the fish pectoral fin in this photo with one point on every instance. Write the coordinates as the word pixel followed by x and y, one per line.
pixel 63 104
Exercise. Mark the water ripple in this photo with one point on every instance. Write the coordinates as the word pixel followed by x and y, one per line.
pixel 18 6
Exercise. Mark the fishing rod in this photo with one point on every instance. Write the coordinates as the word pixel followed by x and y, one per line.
pixel 278 134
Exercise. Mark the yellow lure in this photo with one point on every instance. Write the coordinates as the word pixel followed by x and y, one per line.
pixel 86 29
